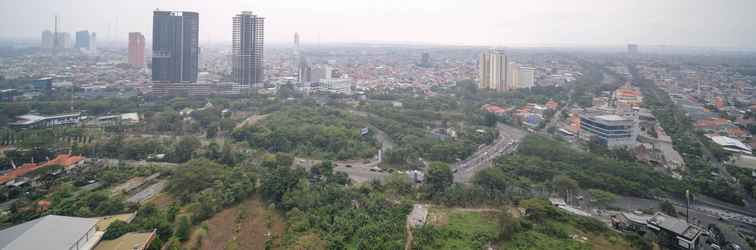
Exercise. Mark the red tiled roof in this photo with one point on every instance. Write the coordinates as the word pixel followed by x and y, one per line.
pixel 64 160
pixel 19 171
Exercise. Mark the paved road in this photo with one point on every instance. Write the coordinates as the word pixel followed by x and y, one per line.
pixel 509 138
pixel 148 192
pixel 358 171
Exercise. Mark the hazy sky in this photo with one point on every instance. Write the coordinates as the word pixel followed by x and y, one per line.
pixel 728 23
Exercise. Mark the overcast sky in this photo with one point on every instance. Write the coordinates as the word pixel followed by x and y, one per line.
pixel 717 23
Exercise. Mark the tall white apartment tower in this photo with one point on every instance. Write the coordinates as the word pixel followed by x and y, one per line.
pixel 493 70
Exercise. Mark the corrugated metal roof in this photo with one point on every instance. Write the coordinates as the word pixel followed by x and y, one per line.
pixel 49 232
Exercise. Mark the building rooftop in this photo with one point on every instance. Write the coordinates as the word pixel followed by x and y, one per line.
pixel 128 241
pixel 49 232
pixel 64 160
pixel 675 225
pixel 610 117
pixel 31 118
pixel 728 142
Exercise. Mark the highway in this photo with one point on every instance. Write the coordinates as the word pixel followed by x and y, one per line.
pixel 506 143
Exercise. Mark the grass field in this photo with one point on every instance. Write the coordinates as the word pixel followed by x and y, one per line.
pixel 463 228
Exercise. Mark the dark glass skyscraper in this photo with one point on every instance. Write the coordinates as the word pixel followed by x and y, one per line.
pixel 175 46
pixel 82 39
pixel 247 49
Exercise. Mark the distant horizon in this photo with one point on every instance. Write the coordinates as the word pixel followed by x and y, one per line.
pixel 684 23
pixel 32 42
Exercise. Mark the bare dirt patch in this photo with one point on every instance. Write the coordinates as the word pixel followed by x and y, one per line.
pixel 248 225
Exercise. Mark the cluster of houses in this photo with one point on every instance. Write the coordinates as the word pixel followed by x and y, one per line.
pixel 530 115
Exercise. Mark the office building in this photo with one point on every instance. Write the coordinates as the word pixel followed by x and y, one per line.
pixel 136 49
pixel 493 70
pixel 632 49
pixel 526 77
pixel 612 131
pixel 82 39
pixel 247 50
pixel 175 46
pixel 43 84
pixel 48 41
pixel 93 42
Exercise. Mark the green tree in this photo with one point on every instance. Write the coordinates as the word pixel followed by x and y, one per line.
pixel 601 197
pixel 213 151
pixel 493 181
pixel 116 229
pixel 172 211
pixel 564 184
pixel 184 149
pixel 438 179
pixel 310 241
pixel 667 208
pixel 398 184
pixel 212 131
pixel 508 225
pixel 182 229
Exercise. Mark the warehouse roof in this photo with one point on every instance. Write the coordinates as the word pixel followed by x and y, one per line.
pixel 49 232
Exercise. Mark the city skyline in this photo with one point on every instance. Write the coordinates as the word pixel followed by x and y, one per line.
pixel 540 22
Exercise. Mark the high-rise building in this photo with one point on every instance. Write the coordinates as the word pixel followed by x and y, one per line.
pixel 513 76
pixel 63 40
pixel 632 49
pixel 304 71
pixel 48 39
pixel 493 70
pixel 247 50
pixel 296 40
pixel 136 49
pixel 526 77
pixel 93 42
pixel 82 39
pixel 175 46
pixel 425 60
pixel 297 58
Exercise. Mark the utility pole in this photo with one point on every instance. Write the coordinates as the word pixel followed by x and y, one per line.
pixel 687 206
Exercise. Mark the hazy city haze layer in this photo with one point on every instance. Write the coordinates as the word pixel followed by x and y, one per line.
pixel 728 23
